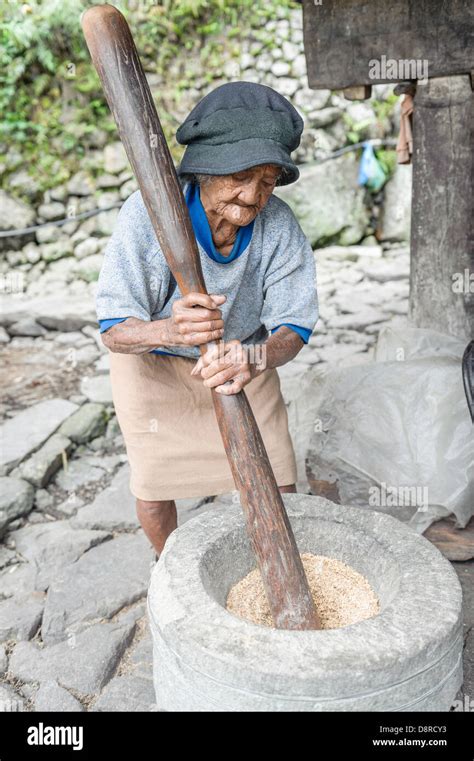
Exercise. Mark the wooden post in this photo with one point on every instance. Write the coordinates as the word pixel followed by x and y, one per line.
pixel 442 239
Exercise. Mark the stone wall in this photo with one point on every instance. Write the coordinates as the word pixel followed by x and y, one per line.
pixel 335 210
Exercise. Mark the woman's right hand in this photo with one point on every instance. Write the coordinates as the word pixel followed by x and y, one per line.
pixel 195 320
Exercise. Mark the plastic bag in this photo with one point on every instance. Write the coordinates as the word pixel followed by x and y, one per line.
pixel 396 434
pixel 371 172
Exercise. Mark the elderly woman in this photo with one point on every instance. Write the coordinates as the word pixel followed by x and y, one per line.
pixel 259 271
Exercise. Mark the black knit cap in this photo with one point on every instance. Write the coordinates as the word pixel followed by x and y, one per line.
pixel 239 125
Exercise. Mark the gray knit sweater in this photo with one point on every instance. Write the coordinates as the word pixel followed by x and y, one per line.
pixel 273 282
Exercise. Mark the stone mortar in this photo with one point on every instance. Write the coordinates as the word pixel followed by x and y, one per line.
pixel 407 658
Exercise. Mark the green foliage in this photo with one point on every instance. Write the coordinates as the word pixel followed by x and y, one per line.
pixel 387 159
pixel 51 100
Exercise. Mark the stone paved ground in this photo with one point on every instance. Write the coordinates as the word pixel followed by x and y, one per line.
pixel 74 564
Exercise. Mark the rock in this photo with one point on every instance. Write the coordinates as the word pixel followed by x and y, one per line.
pixel 122 565
pixel 97 389
pixel 127 693
pixel 43 464
pixel 16 498
pixel 51 252
pixel 20 616
pixel 10 701
pixel 115 158
pixel 66 313
pixel 24 183
pixel 290 50
pixel 327 202
pixel 358 321
pixel 18 579
pixel 89 267
pixel 6 556
pixel 86 356
pixel 108 463
pixel 324 117
pixel 264 62
pixel 88 422
pixel 287 86
pixel 52 697
pixel 14 214
pixel 74 338
pixel 48 234
pixel 78 398
pixel 77 475
pixel 113 428
pixel 86 248
pixel 141 657
pixel 67 508
pixel 280 69
pixel 113 509
pixel 339 352
pixel 4 337
pixel 106 221
pixel 108 198
pixel 81 184
pixel 85 662
pixel 3 661
pixel 26 327
pixel 309 100
pixel 395 217
pixel 246 61
pixel 52 211
pixel 29 429
pixel 53 545
pixel 32 253
pixel 108 181
pixel 102 366
pixel 388 270
pixel 59 193
pixel 127 189
pixel 298 66
pixel 43 500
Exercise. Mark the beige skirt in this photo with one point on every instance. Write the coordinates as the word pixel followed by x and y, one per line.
pixel 170 429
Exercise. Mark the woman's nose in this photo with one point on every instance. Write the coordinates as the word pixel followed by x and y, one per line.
pixel 251 194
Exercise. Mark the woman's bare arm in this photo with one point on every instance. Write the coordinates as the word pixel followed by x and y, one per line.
pixel 195 320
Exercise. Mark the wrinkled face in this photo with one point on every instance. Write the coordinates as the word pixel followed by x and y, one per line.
pixel 239 197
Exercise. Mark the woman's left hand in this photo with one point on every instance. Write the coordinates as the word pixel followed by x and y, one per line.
pixel 226 362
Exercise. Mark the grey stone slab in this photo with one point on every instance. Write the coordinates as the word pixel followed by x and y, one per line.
pixel 26 327
pixel 97 586
pixel 50 546
pixel 141 658
pixel 52 697
pixel 85 662
pixel 10 700
pixel 77 475
pixel 3 661
pixel 358 321
pixel 20 616
pixel 6 556
pixel 67 508
pixel 113 509
pixel 16 499
pixel 18 579
pixel 29 429
pixel 97 389
pixel 127 693
pixel 44 463
pixel 43 500
pixel 88 422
